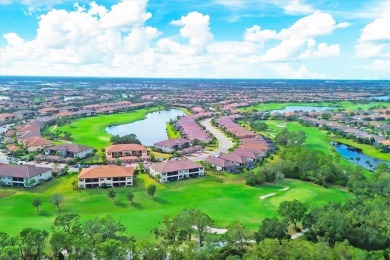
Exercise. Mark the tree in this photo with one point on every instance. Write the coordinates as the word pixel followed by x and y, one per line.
pixel 151 190
pixel 118 162
pixel 111 194
pixel 201 221
pixel 292 211
pixel 31 243
pixel 272 228
pixel 57 199
pixel 237 233
pixel 36 203
pixel 130 196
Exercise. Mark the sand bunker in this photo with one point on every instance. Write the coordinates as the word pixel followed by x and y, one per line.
pixel 266 196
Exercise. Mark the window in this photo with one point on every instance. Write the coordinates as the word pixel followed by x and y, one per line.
pixel 109 179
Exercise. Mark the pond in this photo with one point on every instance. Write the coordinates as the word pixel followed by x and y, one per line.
pixel 356 156
pixel 302 108
pixel 384 98
pixel 3 98
pixel 150 130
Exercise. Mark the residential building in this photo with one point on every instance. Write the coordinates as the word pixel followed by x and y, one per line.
pixel 36 143
pixel 127 153
pixel 220 164
pixel 24 175
pixel 70 150
pixel 173 170
pixel 106 176
pixel 171 145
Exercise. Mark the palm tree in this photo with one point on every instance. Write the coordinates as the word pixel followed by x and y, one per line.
pixel 357 159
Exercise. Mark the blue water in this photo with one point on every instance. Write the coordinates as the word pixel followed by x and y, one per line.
pixel 351 154
pixel 381 97
pixel 150 130
pixel 302 108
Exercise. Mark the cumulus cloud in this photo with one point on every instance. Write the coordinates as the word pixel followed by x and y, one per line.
pixel 115 41
pixel 374 39
pixel 294 38
pixel 322 50
pixel 195 28
pixel 296 7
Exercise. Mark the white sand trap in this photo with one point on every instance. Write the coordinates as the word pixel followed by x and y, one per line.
pixel 281 125
pixel 266 196
pixel 284 189
pixel 218 231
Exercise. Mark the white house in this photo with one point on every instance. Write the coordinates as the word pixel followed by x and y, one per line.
pixel 24 175
pixel 173 170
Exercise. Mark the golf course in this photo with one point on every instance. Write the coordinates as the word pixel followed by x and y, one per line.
pixel 223 197
pixel 90 130
pixel 347 105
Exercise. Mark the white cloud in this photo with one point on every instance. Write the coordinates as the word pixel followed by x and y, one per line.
pixel 296 7
pixel 343 25
pixel 374 39
pixel 294 38
pixel 321 50
pixel 255 34
pixel 195 28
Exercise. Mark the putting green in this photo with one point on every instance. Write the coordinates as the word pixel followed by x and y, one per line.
pixel 223 198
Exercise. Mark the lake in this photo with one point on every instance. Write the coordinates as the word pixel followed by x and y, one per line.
pixel 381 97
pixel 150 130
pixel 4 98
pixel 349 152
pixel 302 108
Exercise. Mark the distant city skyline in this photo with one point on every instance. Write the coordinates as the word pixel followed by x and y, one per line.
pixel 292 39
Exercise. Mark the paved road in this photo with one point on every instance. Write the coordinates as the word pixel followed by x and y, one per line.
pixel 224 142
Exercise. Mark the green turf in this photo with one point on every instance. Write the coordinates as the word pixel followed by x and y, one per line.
pixel 367 149
pixel 224 198
pixel 345 105
pixel 90 130
pixel 315 138
pixel 172 132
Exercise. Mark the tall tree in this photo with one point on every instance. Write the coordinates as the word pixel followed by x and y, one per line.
pixel 57 199
pixel 293 211
pixel 237 233
pixel 272 228
pixel 36 203
pixel 151 190
pixel 201 221
pixel 111 194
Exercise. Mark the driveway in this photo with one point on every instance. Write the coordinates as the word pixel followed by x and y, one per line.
pixel 224 142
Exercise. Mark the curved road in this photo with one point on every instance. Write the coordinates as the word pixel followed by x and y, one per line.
pixel 224 142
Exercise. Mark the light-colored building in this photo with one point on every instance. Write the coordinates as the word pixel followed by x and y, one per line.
pixel 171 145
pixel 173 170
pixel 127 153
pixel 107 175
pixel 36 143
pixel 70 150
pixel 24 175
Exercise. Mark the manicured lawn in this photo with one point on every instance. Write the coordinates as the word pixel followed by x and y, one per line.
pixel 316 139
pixel 224 198
pixel 90 130
pixel 345 105
pixel 172 132
pixel 367 149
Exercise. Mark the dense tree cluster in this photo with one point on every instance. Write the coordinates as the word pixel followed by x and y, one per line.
pixel 126 139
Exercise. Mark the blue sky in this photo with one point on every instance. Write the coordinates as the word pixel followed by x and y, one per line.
pixel 196 38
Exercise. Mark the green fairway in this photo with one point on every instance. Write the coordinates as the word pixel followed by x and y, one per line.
pixel 316 139
pixel 90 130
pixel 223 198
pixel 172 132
pixel 344 105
